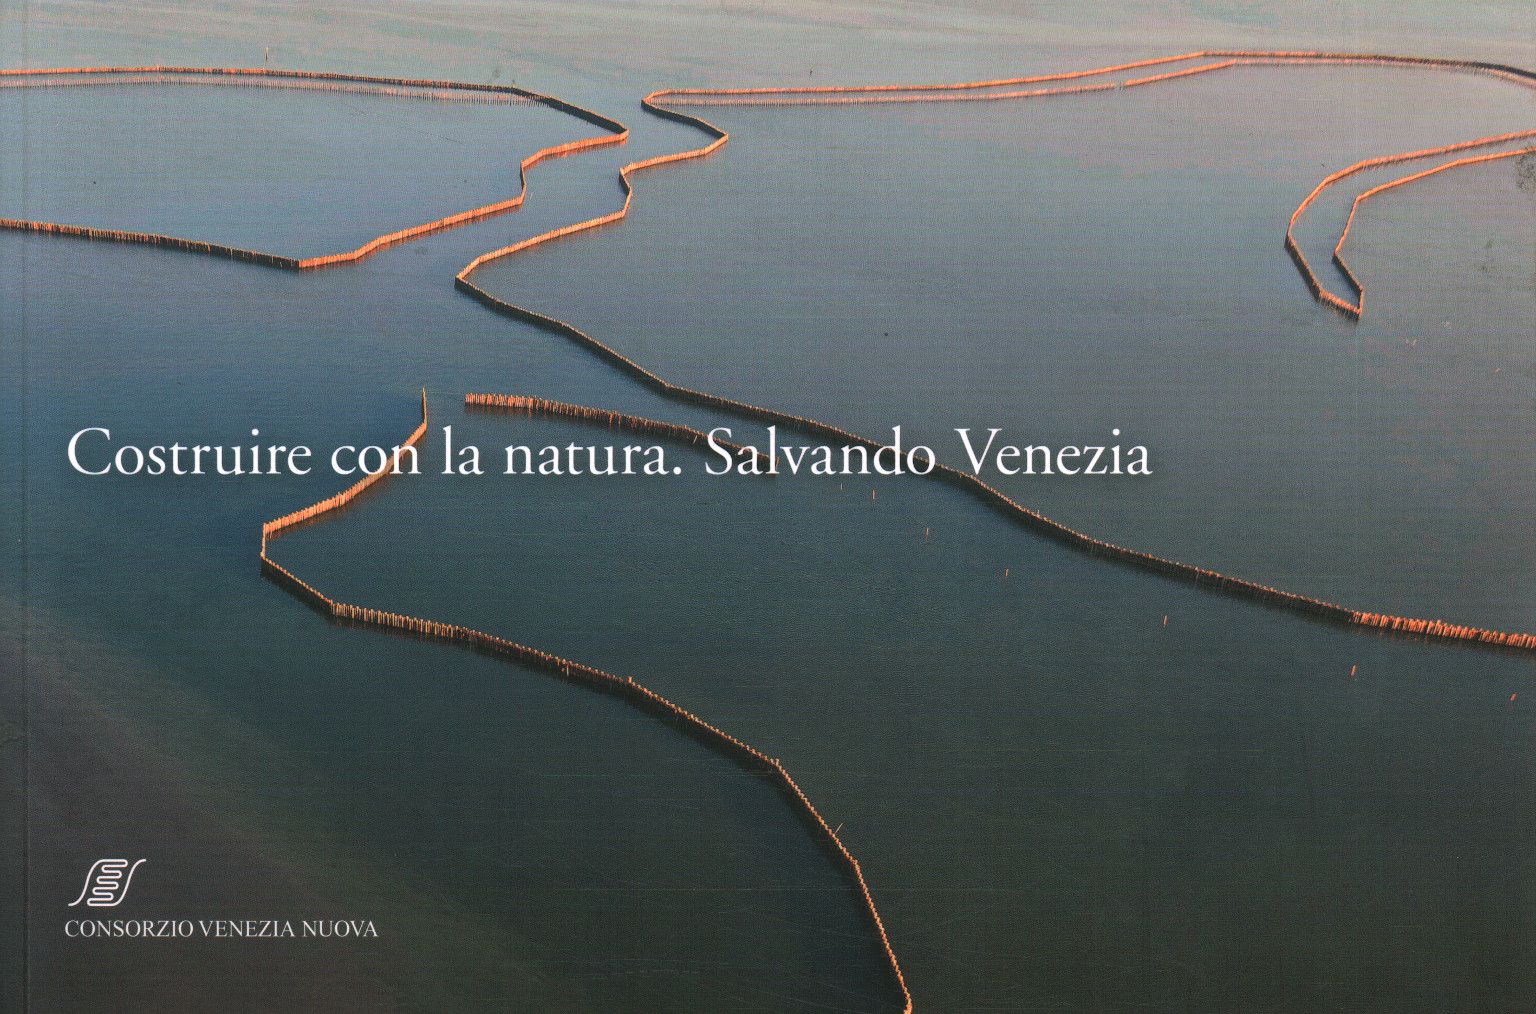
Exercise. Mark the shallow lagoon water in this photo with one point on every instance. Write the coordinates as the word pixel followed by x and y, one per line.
pixel 1060 802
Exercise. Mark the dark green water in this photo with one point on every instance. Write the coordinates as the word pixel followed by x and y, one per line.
pixel 1060 801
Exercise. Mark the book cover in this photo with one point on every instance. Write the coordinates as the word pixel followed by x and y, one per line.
pixel 811 506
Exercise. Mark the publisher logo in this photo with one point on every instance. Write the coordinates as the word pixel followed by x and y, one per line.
pixel 106 885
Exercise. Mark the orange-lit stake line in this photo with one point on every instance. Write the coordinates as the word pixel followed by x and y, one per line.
pixel 618 134
pixel 626 688
pixel 932 93
pixel 960 86
pixel 1329 299
pixel 424 94
pixel 1201 578
pixel 1338 254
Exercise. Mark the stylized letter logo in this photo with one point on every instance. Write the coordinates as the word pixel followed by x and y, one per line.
pixel 107 883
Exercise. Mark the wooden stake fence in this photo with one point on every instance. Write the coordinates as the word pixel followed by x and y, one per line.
pixel 617 134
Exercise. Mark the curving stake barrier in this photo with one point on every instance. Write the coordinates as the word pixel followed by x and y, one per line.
pixel 743 754
pixel 312 80
pixel 117 78
pixel 1352 310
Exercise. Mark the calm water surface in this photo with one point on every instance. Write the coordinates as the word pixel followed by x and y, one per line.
pixel 1071 786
